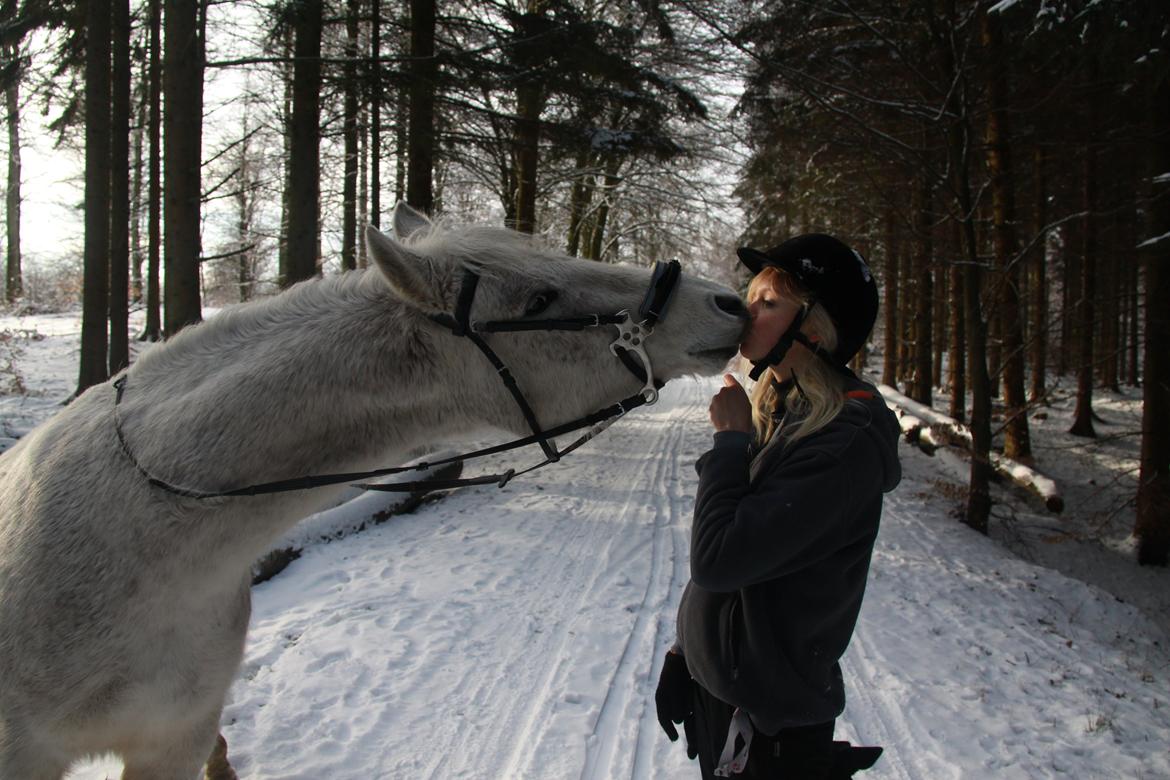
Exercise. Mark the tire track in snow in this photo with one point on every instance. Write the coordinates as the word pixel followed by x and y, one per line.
pixel 877 712
pixel 629 683
pixel 867 704
pixel 650 736
pixel 539 655
pixel 633 485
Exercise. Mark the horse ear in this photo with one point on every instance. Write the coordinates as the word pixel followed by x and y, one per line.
pixel 407 272
pixel 408 221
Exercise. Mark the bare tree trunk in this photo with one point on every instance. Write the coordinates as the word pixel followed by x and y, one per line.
pixel 1152 527
pixel 611 182
pixel 153 328
pixel 138 139
pixel 304 176
pixel 120 110
pixel 1070 299
pixel 1087 308
pixel 1110 340
pixel 286 143
pixel 13 277
pixel 530 102
pixel 1017 441
pixel 890 304
pixel 579 198
pixel 923 294
pixel 1039 268
pixel 1134 379
pixel 401 142
pixel 350 133
pixel 906 336
pixel 1127 311
pixel 939 319
pixel 423 74
pixel 182 135
pixel 978 510
pixel 376 114
pixel 529 106
pixel 245 198
pixel 363 208
pixel 95 294
pixel 958 345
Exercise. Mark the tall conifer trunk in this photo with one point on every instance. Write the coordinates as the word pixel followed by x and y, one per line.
pixel 1152 527
pixel 1087 305
pixel 579 198
pixel 376 113
pixel 958 329
pixel 153 328
pixel 1017 442
pixel 978 510
pixel 138 140
pixel 182 136
pixel 529 105
pixel 530 101
pixel 423 74
pixel 890 301
pixel 304 175
pixel 350 133
pixel 13 277
pixel 1038 353
pixel 95 294
pixel 120 109
pixel 923 293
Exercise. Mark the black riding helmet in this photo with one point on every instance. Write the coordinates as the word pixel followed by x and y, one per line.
pixel 837 278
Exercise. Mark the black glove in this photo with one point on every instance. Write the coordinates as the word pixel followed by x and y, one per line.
pixel 674 697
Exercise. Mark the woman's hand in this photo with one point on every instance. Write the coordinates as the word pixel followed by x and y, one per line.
pixel 730 408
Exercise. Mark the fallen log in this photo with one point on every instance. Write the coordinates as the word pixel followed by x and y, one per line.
pixel 919 421
pixel 916 432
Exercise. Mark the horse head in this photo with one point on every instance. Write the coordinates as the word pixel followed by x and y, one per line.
pixel 563 374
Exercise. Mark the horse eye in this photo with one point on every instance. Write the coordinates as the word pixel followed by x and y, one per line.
pixel 540 302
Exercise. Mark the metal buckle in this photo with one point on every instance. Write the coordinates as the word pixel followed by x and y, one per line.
pixel 631 336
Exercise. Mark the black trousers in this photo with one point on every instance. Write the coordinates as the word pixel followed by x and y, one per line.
pixel 802 753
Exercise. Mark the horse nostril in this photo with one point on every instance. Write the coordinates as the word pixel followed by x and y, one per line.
pixel 732 305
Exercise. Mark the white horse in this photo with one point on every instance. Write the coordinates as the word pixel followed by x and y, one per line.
pixel 124 607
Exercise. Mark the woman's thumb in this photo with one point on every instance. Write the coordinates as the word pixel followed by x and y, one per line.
pixel 730 381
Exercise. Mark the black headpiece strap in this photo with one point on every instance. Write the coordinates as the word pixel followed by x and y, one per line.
pixel 777 353
pixel 793 334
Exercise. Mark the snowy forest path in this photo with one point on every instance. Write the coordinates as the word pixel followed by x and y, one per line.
pixel 495 633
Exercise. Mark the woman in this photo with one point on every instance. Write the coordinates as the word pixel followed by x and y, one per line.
pixel 786 515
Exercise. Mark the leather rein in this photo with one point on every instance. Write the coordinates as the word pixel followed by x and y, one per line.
pixel 629 347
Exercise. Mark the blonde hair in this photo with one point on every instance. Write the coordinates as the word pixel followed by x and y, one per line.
pixel 821 392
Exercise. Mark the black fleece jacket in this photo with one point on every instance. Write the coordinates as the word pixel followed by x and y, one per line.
pixel 780 550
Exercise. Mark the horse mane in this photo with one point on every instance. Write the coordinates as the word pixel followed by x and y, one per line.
pixel 241 322
pixel 472 246
pixel 480 247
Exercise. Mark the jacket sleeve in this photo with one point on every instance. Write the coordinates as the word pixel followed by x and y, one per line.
pixel 796 515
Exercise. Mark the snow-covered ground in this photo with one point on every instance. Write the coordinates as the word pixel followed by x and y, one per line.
pixel 517 633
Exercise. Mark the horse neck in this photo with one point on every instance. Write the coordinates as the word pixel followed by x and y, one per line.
pixel 327 377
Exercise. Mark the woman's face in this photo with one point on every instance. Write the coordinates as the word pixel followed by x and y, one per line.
pixel 771 315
